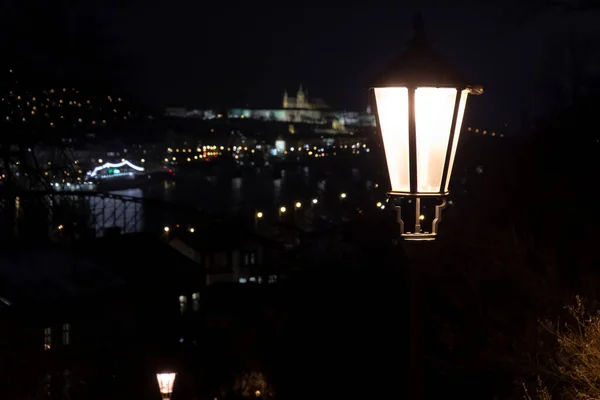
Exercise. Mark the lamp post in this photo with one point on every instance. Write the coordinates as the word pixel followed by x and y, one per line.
pixel 420 103
pixel 165 384
pixel 257 216
pixel 281 211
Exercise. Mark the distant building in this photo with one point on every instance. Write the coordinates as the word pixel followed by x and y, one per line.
pixel 298 109
pixel 301 101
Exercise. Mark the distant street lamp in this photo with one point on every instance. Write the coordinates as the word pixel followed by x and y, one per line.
pixel 257 216
pixel 282 211
pixel 165 384
pixel 420 104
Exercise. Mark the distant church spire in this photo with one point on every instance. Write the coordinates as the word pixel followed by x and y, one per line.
pixel 300 98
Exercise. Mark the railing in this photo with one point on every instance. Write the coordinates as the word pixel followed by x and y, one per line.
pixel 39 215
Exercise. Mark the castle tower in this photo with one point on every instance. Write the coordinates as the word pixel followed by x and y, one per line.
pixel 285 99
pixel 300 98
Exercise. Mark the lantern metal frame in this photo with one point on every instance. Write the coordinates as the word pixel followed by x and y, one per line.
pixel 407 73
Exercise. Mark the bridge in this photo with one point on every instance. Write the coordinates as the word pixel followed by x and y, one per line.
pixel 39 215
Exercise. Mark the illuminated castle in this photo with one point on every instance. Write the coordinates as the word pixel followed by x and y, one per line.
pixel 301 101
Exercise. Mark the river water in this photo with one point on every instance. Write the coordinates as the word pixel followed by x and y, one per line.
pixel 337 186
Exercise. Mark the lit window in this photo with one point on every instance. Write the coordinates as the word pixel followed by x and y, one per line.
pixel 66 334
pixel 250 258
pixel 182 304
pixel 196 301
pixel 47 338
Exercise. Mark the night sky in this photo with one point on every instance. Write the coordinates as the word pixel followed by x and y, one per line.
pixel 200 54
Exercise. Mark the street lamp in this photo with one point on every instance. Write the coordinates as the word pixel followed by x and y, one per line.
pixel 257 216
pixel 165 384
pixel 282 211
pixel 420 104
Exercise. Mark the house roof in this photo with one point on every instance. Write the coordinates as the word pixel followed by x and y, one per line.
pixel 54 271
pixel 223 237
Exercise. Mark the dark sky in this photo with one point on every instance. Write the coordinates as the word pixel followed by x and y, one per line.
pixel 195 53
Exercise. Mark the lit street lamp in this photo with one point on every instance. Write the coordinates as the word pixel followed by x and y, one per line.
pixel 257 216
pixel 165 384
pixel 420 104
pixel 282 211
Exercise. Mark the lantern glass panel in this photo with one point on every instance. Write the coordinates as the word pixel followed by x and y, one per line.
pixel 459 120
pixel 165 383
pixel 392 109
pixel 434 109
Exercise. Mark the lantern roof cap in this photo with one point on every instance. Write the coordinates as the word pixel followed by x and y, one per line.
pixel 420 65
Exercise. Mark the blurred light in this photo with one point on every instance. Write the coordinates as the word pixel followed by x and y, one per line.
pixel 166 229
pixel 421 217
pixel 343 195
pixel 282 209
pixel 315 201
pixel 298 204
pixel 165 384
pixel 259 214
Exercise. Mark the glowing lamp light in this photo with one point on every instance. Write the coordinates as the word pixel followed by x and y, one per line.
pixel 420 103
pixel 165 384
pixel 315 201
pixel 166 229
pixel 282 209
pixel 259 215
pixel 343 195
pixel 298 204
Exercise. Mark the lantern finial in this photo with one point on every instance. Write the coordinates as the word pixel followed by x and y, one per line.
pixel 420 37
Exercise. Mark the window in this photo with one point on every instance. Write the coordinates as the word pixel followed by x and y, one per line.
pixel 196 301
pixel 47 338
pixel 250 258
pixel 182 304
pixel 66 334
